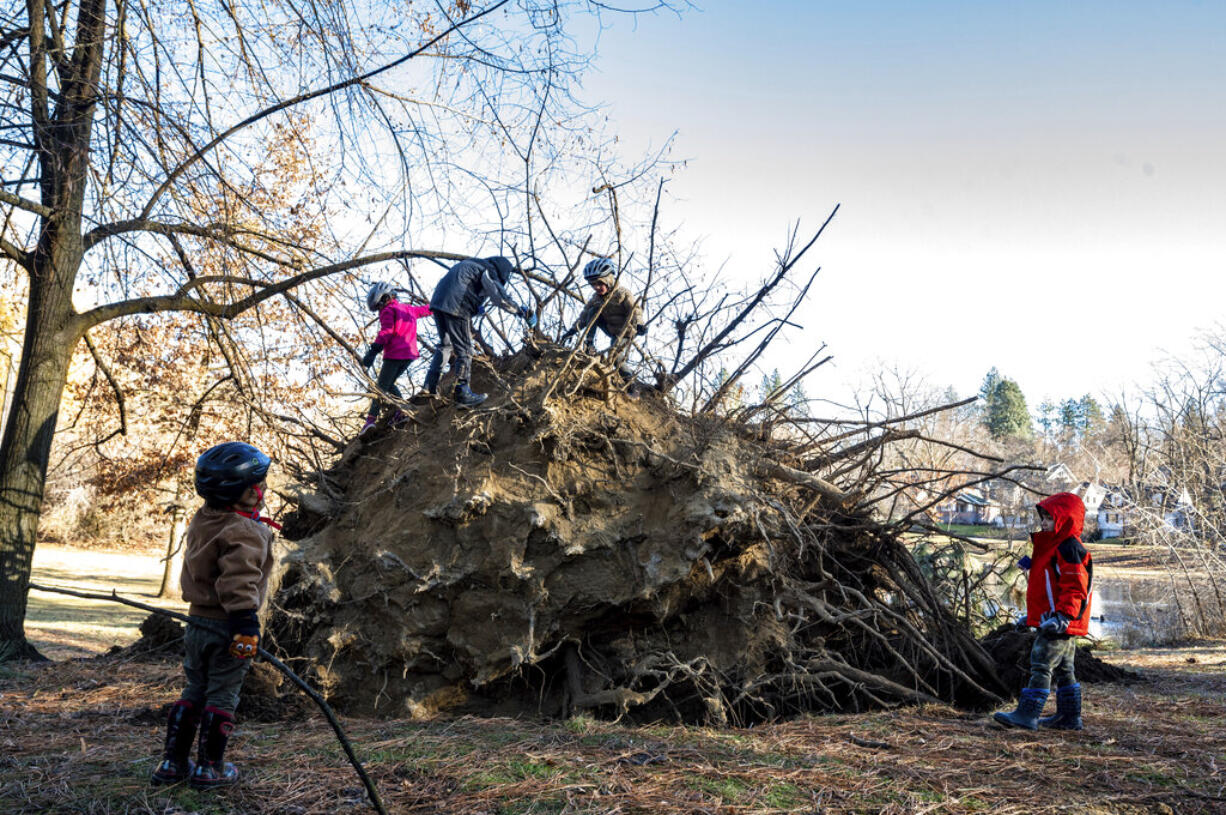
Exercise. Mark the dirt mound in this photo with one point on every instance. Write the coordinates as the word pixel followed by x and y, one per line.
pixel 1010 649
pixel 160 638
pixel 567 548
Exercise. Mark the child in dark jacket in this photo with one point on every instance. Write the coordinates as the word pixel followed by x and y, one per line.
pixel 1060 576
pixel 397 340
pixel 226 562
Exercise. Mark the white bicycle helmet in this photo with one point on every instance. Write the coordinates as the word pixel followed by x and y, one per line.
pixel 601 269
pixel 376 294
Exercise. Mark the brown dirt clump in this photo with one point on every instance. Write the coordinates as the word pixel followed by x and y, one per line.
pixel 1010 649
pixel 160 637
pixel 566 548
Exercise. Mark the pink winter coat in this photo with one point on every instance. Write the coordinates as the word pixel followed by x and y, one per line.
pixel 398 329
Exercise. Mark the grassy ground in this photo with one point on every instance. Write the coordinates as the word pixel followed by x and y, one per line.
pixel 63 627
pixel 82 736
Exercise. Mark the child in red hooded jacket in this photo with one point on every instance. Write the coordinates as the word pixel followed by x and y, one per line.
pixel 1060 575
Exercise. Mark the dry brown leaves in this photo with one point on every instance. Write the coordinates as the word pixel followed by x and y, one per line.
pixel 82 737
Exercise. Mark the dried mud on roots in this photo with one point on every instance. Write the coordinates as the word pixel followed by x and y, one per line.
pixel 565 548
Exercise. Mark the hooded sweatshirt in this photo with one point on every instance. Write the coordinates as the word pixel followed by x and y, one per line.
pixel 1061 570
pixel 462 292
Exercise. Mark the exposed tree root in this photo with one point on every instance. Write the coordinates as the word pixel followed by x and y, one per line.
pixel 557 555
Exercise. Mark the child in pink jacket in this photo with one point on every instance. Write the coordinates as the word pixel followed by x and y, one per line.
pixel 397 340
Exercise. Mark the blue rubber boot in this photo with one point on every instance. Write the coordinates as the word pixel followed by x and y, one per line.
pixel 1068 710
pixel 465 397
pixel 1028 709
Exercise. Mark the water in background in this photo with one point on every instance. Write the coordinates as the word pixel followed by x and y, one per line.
pixel 1133 612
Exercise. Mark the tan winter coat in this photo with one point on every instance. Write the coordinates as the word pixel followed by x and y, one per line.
pixel 226 562
pixel 620 310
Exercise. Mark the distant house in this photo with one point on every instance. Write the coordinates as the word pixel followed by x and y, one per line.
pixel 1059 478
pixel 1124 510
pixel 970 506
pixel 1015 502
pixel 1092 494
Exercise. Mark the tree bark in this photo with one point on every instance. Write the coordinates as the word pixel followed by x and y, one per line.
pixel 24 457
pixel 53 328
pixel 174 548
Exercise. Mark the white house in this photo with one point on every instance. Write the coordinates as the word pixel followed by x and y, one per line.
pixel 1123 509
pixel 1092 494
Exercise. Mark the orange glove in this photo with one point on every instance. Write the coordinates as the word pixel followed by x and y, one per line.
pixel 244 634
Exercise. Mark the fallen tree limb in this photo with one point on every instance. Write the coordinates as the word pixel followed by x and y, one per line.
pixel 114 597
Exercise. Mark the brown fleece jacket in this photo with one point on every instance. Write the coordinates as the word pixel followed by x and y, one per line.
pixel 226 563
pixel 619 310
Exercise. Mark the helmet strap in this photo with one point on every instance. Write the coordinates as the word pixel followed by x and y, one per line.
pixel 254 514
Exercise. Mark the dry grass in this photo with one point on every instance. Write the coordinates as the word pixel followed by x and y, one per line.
pixel 67 627
pixel 81 737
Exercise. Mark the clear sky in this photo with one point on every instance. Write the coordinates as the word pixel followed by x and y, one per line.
pixel 1038 186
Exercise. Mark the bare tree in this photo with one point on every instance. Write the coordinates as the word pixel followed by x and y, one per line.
pixel 128 132
pixel 1173 436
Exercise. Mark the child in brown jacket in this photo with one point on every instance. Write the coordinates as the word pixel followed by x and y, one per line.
pixel 227 559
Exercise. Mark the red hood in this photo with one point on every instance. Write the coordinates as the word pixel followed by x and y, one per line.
pixel 1068 512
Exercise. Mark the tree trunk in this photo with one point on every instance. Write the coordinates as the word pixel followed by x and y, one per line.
pixel 23 465
pixel 174 548
pixel 53 328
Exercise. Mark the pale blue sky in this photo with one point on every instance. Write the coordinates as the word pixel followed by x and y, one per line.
pixel 1038 186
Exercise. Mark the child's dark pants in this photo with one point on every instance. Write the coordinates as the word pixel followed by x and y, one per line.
pixel 214 678
pixel 1052 657
pixel 389 372
pixel 455 338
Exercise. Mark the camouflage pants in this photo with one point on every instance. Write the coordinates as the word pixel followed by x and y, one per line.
pixel 214 678
pixel 1052 656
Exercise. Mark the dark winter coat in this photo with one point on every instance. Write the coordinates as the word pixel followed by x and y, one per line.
pixel 1061 570
pixel 465 287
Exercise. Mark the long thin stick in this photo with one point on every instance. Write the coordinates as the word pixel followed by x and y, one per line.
pixel 114 597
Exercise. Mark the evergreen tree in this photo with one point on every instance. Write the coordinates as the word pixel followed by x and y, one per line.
pixel 1007 415
pixel 1047 419
pixel 1090 417
pixel 798 401
pixel 1070 418
pixel 771 384
pixel 987 393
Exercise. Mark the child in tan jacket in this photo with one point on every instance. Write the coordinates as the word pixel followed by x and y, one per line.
pixel 227 560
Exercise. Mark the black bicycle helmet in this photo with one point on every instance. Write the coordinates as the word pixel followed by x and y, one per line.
pixel 224 472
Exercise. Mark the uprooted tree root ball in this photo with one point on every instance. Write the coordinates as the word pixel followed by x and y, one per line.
pixel 566 548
